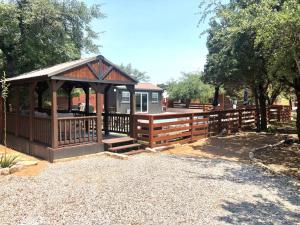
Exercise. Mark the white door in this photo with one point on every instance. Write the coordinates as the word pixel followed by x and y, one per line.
pixel 141 101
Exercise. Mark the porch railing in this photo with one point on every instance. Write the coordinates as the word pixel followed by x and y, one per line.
pixel 72 130
pixel 42 130
pixel 118 123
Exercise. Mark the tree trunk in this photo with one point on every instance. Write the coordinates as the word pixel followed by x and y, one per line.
pixel 298 113
pixel 216 97
pixel 10 65
pixel 257 110
pixel 263 108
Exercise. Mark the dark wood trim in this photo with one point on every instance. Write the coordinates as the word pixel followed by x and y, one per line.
pixel 59 84
pixel 87 100
pixel 17 88
pixel 131 89
pixel 98 87
pixel 117 68
pixel 92 70
pixel 99 116
pixel 106 106
pixel 29 80
pixel 31 103
pixel 54 121
pixel 107 72
pixel 116 82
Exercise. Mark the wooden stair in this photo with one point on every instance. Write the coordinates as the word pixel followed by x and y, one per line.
pixel 121 145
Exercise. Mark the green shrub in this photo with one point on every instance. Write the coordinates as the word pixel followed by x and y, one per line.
pixel 8 160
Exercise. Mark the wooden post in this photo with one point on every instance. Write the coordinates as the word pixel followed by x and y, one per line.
pixel 87 100
pixel 151 144
pixel 279 112
pixel 99 116
pixel 17 110
pixel 240 118
pixel 31 103
pixel 54 121
pixel 220 115
pixel 131 90
pixel 69 99
pixel 192 125
pixel 106 112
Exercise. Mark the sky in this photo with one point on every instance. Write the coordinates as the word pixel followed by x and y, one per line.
pixel 160 37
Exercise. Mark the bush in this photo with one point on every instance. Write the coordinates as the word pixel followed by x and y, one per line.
pixel 8 160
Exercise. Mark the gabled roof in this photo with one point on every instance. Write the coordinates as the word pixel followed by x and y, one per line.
pixel 144 87
pixel 63 67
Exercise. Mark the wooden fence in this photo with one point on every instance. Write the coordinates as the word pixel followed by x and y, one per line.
pixel 200 106
pixel 279 113
pixel 161 130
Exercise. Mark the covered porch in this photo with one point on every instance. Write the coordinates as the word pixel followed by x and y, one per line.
pixel 38 125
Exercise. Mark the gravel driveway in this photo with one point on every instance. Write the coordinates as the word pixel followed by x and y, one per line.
pixel 150 189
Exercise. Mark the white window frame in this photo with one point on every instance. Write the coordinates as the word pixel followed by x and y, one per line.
pixel 155 100
pixel 125 101
pixel 142 102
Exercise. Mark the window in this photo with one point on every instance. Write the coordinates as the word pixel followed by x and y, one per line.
pixel 125 97
pixel 154 96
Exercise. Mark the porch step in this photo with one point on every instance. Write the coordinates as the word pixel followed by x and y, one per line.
pixel 124 147
pixel 135 152
pixel 112 141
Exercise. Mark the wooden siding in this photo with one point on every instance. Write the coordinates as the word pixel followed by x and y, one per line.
pixel 82 72
pixel 116 75
pixel 96 66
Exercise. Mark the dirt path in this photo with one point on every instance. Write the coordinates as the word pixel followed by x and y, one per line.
pixel 234 147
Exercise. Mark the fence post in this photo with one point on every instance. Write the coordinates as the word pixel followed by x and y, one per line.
pixel 279 111
pixel 192 126
pixel 240 118
pixel 133 120
pixel 151 144
pixel 220 115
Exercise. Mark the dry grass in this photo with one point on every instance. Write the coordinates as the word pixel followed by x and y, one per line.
pixel 284 159
pixel 233 147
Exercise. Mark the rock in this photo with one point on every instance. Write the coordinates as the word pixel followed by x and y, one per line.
pixel 116 155
pixel 27 163
pixel 4 171
pixel 151 150
pixel 15 168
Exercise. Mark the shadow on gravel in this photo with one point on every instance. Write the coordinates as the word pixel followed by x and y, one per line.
pixel 263 211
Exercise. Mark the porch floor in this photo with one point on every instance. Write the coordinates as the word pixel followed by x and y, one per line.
pixel 115 138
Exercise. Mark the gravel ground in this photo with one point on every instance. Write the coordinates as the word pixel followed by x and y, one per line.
pixel 150 189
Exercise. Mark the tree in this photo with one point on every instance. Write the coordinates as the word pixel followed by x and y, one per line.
pixel 278 27
pixel 140 76
pixel 40 33
pixel 4 94
pixel 190 86
pixel 234 57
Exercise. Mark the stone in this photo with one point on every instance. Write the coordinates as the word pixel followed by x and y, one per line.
pixel 27 163
pixel 15 168
pixel 4 171
pixel 150 150
pixel 116 155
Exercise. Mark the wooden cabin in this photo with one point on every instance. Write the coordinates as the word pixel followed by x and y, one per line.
pixel 37 125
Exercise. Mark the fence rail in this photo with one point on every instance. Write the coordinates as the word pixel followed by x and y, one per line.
pixel 159 130
pixel 200 106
